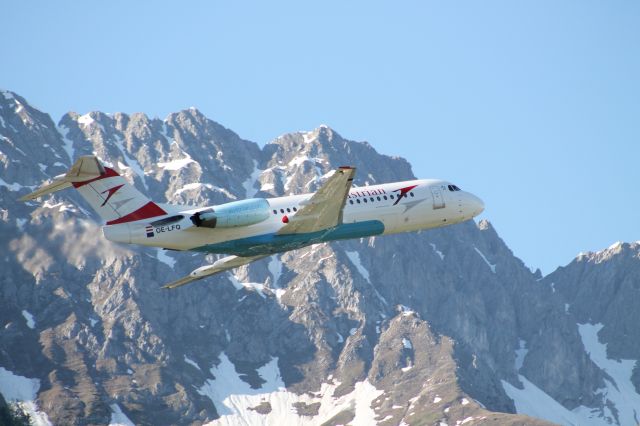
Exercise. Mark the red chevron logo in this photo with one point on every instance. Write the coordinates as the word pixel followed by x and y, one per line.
pixel 110 191
pixel 403 192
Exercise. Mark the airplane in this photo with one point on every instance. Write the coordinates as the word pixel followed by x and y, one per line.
pixel 251 229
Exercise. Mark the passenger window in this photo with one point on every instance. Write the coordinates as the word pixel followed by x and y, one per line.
pixel 384 196
pixel 364 199
pixel 275 212
pixel 350 201
pixel 295 210
pixel 391 196
pixel 282 211
pixel 371 199
pixel 288 210
pixel 358 201
pixel 379 199
pixel 411 193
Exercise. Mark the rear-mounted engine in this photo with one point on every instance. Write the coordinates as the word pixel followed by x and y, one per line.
pixel 234 214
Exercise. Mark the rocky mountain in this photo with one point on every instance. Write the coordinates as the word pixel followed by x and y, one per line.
pixel 439 327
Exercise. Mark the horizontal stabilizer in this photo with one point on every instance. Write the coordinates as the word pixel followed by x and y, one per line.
pixel 218 266
pixel 86 168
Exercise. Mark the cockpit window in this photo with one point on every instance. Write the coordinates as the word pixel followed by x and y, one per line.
pixel 453 188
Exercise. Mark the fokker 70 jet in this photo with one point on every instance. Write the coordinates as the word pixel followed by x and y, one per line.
pixel 248 230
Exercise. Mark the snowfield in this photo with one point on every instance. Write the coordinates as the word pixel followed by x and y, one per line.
pixel 24 392
pixel 234 399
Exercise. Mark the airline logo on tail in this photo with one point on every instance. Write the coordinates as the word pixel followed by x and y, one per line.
pixel 111 191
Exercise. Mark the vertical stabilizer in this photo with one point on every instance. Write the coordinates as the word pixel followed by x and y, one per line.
pixel 108 193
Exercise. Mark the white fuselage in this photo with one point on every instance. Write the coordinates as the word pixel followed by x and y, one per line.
pixel 425 204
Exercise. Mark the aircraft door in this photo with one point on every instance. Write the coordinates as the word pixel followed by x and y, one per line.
pixel 438 199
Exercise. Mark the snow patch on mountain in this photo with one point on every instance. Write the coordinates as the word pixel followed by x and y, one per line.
pixel 20 222
pixel 257 287
pixel 267 187
pixel 118 418
pixel 249 185
pixel 619 389
pixel 354 257
pixel 192 362
pixel 406 311
pixel 236 401
pixel 299 160
pixel 31 323
pixel 438 252
pixel 11 186
pixel 275 269
pixel 131 162
pixel 163 257
pixel 174 165
pixel 24 392
pixel 61 206
pixel 489 264
pixel 521 353
pixel 85 120
pixel 533 401
pixel 328 174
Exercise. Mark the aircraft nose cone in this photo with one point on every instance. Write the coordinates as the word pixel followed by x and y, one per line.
pixel 477 205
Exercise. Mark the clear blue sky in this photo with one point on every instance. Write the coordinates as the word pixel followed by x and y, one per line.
pixel 532 105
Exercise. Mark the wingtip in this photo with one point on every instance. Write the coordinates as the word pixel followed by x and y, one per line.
pixel 178 283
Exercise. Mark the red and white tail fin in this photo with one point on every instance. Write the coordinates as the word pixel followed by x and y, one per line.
pixel 110 195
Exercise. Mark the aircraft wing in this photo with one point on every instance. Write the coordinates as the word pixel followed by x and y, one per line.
pixel 218 266
pixel 324 209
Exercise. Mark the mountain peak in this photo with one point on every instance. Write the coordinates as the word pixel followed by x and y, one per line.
pixel 7 94
pixel 193 112
pixel 615 250
pixel 485 225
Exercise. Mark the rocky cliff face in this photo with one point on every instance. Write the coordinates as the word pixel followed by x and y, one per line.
pixel 443 326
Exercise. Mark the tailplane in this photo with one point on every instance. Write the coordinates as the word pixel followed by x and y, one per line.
pixel 108 193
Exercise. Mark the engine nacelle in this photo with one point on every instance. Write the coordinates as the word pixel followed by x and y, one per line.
pixel 234 214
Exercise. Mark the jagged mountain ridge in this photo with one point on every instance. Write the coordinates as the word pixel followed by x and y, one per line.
pixel 105 338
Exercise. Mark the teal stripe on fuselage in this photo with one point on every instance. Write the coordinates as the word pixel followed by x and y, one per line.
pixel 274 243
